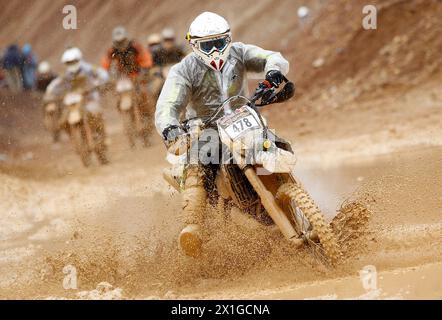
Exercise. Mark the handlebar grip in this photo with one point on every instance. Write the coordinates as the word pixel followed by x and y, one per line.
pixel 287 92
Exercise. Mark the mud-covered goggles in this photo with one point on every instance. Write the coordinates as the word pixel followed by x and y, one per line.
pixel 210 45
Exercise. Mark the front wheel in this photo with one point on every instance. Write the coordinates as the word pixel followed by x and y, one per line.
pixel 129 127
pixel 51 123
pixel 79 140
pixel 310 221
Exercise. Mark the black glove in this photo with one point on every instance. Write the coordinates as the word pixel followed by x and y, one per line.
pixel 275 77
pixel 171 134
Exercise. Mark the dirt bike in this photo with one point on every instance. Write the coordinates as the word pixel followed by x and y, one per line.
pixel 52 115
pixel 129 107
pixel 263 185
pixel 79 128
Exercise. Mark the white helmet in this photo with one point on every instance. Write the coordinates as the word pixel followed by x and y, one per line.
pixel 120 38
pixel 44 67
pixel 72 59
pixel 154 39
pixel 168 34
pixel 119 34
pixel 210 38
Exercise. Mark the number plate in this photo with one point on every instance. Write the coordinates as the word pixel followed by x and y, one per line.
pixel 237 124
pixel 72 98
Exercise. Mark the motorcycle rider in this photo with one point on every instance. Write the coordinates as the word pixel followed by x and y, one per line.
pixel 214 71
pixel 170 52
pixel 165 53
pixel 156 79
pixel 154 47
pixel 127 57
pixel 130 57
pixel 45 75
pixel 80 75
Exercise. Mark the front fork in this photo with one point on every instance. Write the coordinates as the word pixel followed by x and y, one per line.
pixel 272 207
pixel 269 202
pixel 135 108
pixel 137 116
pixel 89 135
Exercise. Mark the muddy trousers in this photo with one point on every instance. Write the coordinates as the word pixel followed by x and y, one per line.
pixel 194 196
pixel 98 133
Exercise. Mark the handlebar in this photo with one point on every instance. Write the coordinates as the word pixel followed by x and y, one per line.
pixel 265 91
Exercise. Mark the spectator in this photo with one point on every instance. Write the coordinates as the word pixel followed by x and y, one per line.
pixel 29 67
pixel 12 64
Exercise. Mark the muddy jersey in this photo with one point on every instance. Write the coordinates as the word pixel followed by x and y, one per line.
pixel 87 79
pixel 193 86
pixel 129 61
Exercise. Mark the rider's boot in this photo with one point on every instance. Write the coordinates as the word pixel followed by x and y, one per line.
pixel 194 203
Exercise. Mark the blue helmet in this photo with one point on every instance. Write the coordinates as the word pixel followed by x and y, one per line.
pixel 27 49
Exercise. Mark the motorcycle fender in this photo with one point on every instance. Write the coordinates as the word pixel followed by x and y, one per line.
pixel 276 161
pixel 126 102
pixel 51 107
pixel 74 117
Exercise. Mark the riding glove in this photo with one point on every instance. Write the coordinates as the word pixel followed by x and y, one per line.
pixel 275 77
pixel 171 134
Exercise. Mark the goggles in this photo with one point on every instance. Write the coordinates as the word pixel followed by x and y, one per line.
pixel 219 44
pixel 71 63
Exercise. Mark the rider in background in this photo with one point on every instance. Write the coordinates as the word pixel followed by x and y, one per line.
pixel 217 69
pixel 29 67
pixel 171 52
pixel 165 53
pixel 45 75
pixel 12 66
pixel 82 76
pixel 156 79
pixel 154 47
pixel 128 58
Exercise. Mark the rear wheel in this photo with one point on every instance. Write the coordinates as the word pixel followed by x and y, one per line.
pixel 79 140
pixel 129 127
pixel 310 222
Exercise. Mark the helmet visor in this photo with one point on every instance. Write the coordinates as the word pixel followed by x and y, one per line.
pixel 73 66
pixel 211 45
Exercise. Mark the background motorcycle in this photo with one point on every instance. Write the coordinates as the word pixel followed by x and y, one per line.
pixel 52 114
pixel 129 104
pixel 79 129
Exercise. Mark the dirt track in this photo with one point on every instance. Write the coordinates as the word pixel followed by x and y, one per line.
pixel 381 145
pixel 58 209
